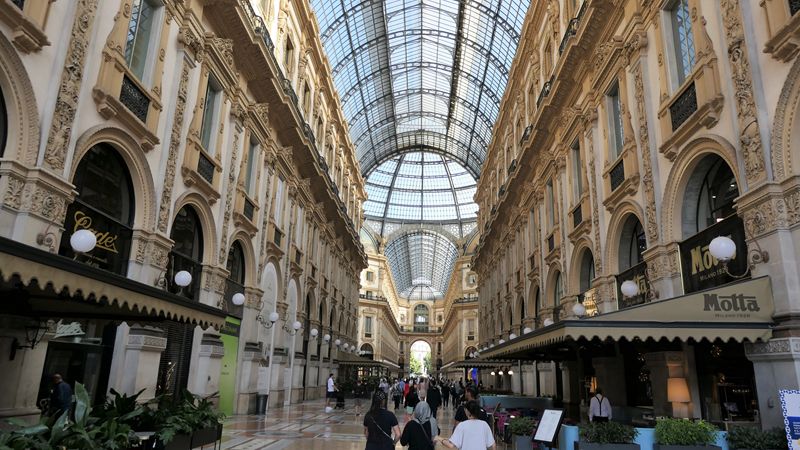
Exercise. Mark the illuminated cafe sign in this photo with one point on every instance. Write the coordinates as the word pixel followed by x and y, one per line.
pixel 113 239
pixel 637 274
pixel 700 269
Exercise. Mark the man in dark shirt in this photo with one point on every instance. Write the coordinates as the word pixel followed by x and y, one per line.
pixel 434 397
pixel 60 396
pixel 471 393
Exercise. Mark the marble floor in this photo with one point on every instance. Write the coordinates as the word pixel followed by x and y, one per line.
pixel 306 426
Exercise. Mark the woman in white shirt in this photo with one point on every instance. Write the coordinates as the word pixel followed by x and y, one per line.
pixel 472 434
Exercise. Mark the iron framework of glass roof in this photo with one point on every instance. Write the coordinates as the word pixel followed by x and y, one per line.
pixel 421 187
pixel 420 74
pixel 421 262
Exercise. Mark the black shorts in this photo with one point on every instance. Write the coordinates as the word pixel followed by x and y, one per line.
pixel 331 394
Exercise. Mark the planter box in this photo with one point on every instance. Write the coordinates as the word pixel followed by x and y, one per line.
pixel 179 442
pixel 595 446
pixel 205 436
pixel 685 447
pixel 522 442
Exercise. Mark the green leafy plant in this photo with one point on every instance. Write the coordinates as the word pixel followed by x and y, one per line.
pixel 754 438
pixel 608 433
pixel 684 432
pixel 184 417
pixel 521 426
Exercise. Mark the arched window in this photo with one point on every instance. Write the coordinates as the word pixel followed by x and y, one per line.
pixel 235 281
pixel 421 318
pixel 587 271
pixel 3 123
pixel 187 252
pixel 537 302
pixel 558 290
pixel 104 205
pixel 633 243
pixel 709 195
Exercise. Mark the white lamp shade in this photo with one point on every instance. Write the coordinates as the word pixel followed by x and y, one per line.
pixel 492 373
pixel 510 372
pixel 547 322
pixel 82 241
pixel 629 288
pixel 502 341
pixel 238 299
pixel 273 317
pixel 491 345
pixel 500 373
pixel 678 390
pixel 722 247
pixel 578 309
pixel 326 338
pixel 526 330
pixel 297 325
pixel 183 278
pixel 314 332
pixel 512 336
pixel 338 342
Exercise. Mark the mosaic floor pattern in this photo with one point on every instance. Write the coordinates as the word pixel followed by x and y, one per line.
pixel 306 426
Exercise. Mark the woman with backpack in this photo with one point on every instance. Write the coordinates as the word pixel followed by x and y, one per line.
pixel 420 432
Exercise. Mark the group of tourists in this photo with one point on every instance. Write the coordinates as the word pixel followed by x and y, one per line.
pixel 421 399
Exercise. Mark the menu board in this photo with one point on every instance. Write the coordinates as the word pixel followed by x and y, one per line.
pixel 549 424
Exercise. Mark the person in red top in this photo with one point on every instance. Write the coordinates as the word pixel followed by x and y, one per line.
pixel 406 389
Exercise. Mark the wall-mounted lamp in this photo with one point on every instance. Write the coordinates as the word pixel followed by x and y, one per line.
pixel 273 317
pixel 82 241
pixel 579 310
pixel 33 335
pixel 500 373
pixel 491 373
pixel 296 326
pixel 238 299
pixel 526 330
pixel 547 322
pixel 724 249
pixel 501 341
pixel 326 338
pixel 338 342
pixel 313 333
pixel 510 372
pixel 512 336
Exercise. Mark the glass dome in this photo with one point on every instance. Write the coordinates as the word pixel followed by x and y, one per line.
pixel 421 263
pixel 421 187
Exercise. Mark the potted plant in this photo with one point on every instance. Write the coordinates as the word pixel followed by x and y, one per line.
pixel 684 434
pixel 607 436
pixel 745 438
pixel 192 422
pixel 521 429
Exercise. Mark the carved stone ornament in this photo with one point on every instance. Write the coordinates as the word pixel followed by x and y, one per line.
pixel 58 139
pixel 651 216
pixel 174 145
pixel 226 218
pixel 750 138
pixel 598 261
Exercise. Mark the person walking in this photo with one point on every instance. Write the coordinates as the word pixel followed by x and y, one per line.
pixel 599 407
pixel 384 386
pixel 412 398
pixel 331 391
pixel 380 426
pixel 472 434
pixel 445 395
pixel 420 432
pixel 434 398
pixel 397 394
pixel 406 388
pixel 470 395
pixel 60 396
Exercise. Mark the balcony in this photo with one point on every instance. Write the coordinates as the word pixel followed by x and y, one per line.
pixel 244 211
pixel 545 91
pixel 512 167
pixel 617 175
pixel 420 329
pixel 783 25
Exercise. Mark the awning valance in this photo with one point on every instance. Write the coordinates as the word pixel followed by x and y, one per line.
pixel 349 359
pixel 62 277
pixel 738 311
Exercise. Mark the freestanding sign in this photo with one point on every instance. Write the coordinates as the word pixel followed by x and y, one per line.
pixel 549 424
pixel 790 404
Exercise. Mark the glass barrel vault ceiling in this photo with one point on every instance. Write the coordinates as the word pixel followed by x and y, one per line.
pixel 421 263
pixel 416 74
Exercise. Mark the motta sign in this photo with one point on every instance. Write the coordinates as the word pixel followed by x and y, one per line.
pixel 731 303
pixel 700 269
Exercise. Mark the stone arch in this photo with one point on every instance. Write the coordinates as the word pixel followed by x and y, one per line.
pixel 508 318
pixel 292 300
pixel 614 237
pixel 22 141
pixel 785 135
pixel 270 284
pixel 533 295
pixel 581 246
pixel 682 170
pixel 138 168
pixel 552 274
pixel 206 216
pixel 521 309
pixel 249 256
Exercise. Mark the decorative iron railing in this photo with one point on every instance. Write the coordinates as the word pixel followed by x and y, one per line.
pixel 134 99
pixel 794 6
pixel 572 30
pixel 617 175
pixel 545 91
pixel 683 106
pixel 205 168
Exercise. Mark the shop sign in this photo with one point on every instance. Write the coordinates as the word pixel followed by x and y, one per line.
pixel 231 327
pixel 700 269
pixel 637 274
pixel 113 238
pixel 790 405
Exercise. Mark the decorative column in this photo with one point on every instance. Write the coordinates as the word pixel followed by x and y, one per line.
pixel 141 358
